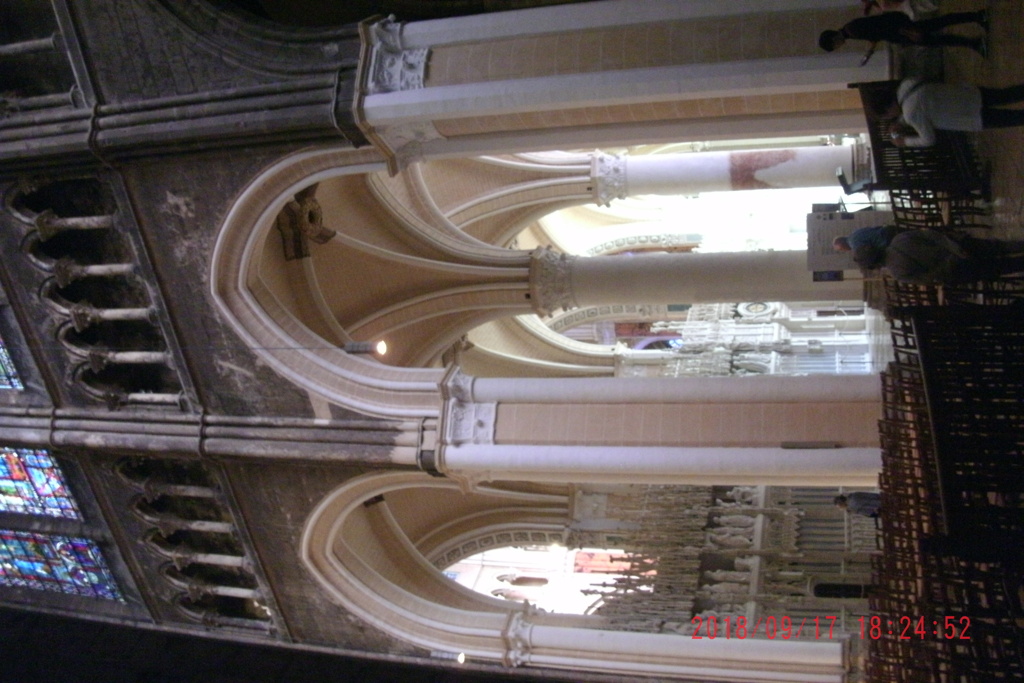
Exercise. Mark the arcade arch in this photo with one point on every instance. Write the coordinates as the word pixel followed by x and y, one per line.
pixel 360 553
pixel 280 330
pixel 397 268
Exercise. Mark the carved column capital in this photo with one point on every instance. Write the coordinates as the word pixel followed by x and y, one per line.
pixel 517 640
pixel 551 280
pixel 608 171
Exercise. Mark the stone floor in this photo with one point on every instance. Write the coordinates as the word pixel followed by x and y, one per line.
pixel 1002 149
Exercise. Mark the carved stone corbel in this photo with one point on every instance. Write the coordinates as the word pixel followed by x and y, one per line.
pixel 301 221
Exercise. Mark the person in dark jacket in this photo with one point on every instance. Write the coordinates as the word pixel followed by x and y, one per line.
pixel 898 28
pixel 863 503
pixel 930 257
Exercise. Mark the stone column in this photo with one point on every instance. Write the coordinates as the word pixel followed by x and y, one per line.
pixel 795 661
pixel 49 224
pixel 66 271
pixel 742 431
pixel 563 281
pixel 622 390
pixel 453 87
pixel 28 46
pixel 621 176
pixel 663 465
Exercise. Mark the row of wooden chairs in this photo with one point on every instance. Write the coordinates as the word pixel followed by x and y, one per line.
pixel 914 574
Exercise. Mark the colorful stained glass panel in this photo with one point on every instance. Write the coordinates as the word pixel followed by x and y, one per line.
pixel 56 563
pixel 32 483
pixel 8 375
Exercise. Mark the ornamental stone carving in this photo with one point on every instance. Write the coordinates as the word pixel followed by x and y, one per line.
pixel 465 421
pixel 517 640
pixel 592 314
pixel 301 221
pixel 665 241
pixel 470 423
pixel 394 68
pixel 551 280
pixel 458 385
pixel 608 172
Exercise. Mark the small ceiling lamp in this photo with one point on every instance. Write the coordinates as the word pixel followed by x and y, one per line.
pixel 378 348
pixel 457 657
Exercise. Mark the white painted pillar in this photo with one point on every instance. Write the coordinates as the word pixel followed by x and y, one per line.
pixel 663 465
pixel 562 281
pixel 557 18
pixel 404 118
pixel 401 108
pixel 467 450
pixel 618 177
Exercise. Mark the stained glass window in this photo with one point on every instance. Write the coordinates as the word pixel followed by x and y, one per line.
pixel 50 562
pixel 32 483
pixel 8 375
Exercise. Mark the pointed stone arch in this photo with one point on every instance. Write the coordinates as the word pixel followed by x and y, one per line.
pixel 358 552
pixel 274 334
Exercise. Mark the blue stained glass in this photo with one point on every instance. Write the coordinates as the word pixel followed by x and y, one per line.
pixel 37 459
pixel 48 484
pixel 8 375
pixel 32 483
pixel 55 563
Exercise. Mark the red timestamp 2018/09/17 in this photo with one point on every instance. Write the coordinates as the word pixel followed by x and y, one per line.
pixel 783 628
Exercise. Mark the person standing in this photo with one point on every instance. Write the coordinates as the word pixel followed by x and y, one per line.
pixel 926 107
pixel 898 28
pixel 863 503
pixel 930 257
